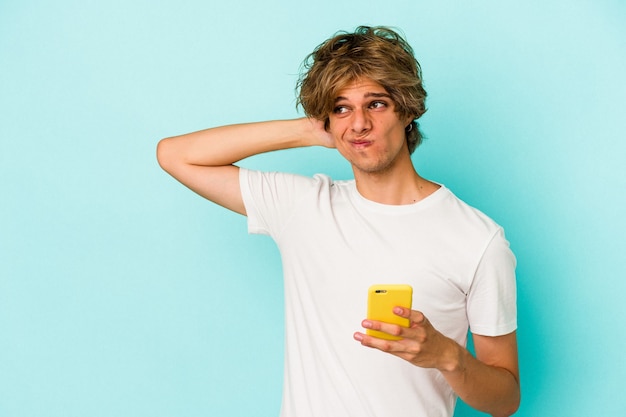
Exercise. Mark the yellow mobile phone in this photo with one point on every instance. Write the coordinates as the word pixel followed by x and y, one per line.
pixel 381 299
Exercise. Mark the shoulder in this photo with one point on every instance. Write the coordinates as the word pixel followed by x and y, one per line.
pixel 273 199
pixel 458 209
pixel 284 179
pixel 462 222
pixel 295 187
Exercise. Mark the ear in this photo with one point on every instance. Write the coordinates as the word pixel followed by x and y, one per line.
pixel 405 118
pixel 327 124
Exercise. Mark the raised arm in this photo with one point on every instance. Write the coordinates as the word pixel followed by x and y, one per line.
pixel 203 161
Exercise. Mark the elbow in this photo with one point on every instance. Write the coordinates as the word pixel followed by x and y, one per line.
pixel 164 153
pixel 515 405
pixel 507 413
pixel 510 409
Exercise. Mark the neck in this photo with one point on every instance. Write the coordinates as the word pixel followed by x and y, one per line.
pixel 398 186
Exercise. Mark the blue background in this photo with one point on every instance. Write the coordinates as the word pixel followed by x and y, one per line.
pixel 124 294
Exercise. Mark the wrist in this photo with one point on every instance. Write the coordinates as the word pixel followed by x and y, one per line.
pixel 453 358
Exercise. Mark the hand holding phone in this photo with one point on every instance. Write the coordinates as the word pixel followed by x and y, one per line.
pixel 381 300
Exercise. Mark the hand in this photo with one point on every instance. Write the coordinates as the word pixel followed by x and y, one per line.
pixel 421 344
pixel 319 133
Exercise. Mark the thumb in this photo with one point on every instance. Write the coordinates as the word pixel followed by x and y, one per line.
pixel 418 319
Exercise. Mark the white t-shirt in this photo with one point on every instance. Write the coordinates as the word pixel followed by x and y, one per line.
pixel 334 245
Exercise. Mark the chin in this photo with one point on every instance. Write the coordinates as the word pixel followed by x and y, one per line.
pixel 372 168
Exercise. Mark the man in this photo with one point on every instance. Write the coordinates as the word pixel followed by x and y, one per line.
pixel 362 93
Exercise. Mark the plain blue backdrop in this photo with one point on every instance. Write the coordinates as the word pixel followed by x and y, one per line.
pixel 124 294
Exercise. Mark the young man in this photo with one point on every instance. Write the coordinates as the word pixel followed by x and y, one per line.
pixel 362 93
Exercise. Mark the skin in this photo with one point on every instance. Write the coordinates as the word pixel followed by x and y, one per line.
pixel 488 382
pixel 365 128
pixel 368 132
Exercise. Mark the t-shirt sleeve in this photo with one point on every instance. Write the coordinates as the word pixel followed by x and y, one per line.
pixel 492 300
pixel 270 198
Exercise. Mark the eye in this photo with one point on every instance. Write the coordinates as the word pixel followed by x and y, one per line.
pixel 340 110
pixel 378 104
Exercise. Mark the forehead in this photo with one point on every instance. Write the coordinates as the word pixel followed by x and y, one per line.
pixel 361 87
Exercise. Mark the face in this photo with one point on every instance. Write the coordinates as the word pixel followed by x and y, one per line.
pixel 366 128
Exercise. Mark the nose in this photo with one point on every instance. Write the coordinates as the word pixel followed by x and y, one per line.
pixel 360 122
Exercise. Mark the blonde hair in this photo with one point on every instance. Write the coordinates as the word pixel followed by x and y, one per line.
pixel 377 53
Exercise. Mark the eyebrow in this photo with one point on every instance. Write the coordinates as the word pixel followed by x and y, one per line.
pixel 367 95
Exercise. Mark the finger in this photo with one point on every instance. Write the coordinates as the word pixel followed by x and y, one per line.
pixel 418 319
pixel 414 316
pixel 375 342
pixel 393 330
pixel 402 312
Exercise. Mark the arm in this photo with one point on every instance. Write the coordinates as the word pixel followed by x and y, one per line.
pixel 489 382
pixel 203 161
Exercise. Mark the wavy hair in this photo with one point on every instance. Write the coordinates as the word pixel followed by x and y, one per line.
pixel 378 53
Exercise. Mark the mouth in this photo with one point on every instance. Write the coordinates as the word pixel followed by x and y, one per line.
pixel 360 143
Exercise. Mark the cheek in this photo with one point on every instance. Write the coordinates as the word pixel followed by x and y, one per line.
pixel 398 134
pixel 341 148
pixel 337 131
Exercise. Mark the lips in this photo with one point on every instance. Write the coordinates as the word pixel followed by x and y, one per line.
pixel 359 144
